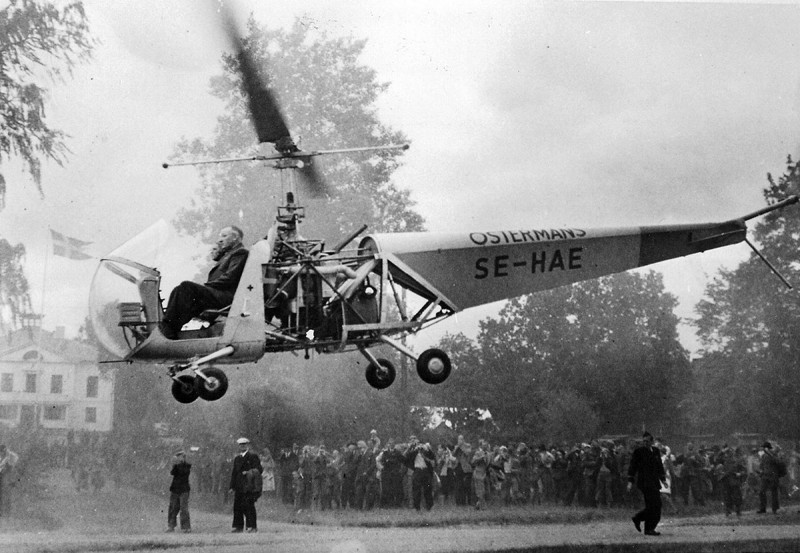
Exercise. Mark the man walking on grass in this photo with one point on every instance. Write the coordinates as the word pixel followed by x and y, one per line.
pixel 647 471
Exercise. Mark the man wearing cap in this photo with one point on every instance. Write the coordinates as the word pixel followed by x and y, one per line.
pixel 179 493
pixel 647 471
pixel 246 487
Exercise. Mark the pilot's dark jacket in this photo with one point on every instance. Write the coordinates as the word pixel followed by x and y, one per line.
pixel 189 299
pixel 225 275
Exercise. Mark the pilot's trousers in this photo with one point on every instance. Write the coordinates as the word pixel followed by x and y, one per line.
pixel 189 299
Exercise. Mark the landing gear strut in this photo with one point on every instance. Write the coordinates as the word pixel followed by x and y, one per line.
pixel 380 372
pixel 433 365
pixel 213 386
pixel 381 375
pixel 208 383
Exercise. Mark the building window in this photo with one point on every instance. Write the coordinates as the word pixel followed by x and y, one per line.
pixel 91 414
pixel 8 412
pixel 57 384
pixel 7 382
pixel 30 383
pixel 91 386
pixel 55 413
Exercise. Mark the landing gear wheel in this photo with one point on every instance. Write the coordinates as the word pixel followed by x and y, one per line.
pixel 183 389
pixel 433 366
pixel 382 375
pixel 213 388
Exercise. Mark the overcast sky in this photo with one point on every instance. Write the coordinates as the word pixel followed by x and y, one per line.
pixel 521 114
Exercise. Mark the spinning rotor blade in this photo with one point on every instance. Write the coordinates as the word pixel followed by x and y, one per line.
pixel 311 179
pixel 269 122
pixel 310 174
pixel 267 118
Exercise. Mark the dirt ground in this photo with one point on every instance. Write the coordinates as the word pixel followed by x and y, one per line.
pixel 64 520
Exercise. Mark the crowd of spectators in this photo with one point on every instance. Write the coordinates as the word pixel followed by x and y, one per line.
pixel 367 474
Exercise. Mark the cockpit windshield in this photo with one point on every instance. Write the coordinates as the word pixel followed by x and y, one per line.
pixel 124 301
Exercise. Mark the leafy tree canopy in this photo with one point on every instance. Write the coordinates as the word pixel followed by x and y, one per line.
pixel 749 324
pixel 606 348
pixel 14 297
pixel 36 38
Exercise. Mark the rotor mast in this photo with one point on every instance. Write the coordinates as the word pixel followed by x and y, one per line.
pixel 289 214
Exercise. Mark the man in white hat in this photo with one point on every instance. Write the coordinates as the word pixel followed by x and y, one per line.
pixel 246 487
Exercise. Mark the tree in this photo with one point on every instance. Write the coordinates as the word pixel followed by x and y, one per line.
pixel 14 297
pixel 564 415
pixel 35 38
pixel 607 348
pixel 328 97
pixel 750 326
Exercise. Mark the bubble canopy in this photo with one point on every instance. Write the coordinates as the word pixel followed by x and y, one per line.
pixel 125 287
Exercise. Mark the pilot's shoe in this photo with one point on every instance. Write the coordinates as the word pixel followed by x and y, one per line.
pixel 251 530
pixel 652 533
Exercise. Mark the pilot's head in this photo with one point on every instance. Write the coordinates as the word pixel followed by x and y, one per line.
pixel 229 238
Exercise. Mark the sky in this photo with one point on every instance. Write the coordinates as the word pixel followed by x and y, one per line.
pixel 520 115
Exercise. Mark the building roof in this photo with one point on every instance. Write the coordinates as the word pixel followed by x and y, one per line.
pixel 45 341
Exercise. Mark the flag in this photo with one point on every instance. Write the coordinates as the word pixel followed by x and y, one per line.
pixel 69 247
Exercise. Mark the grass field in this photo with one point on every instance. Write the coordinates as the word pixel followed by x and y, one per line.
pixel 497 514
pixel 55 505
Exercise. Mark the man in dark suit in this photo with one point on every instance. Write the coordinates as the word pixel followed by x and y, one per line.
pixel 771 471
pixel 189 299
pixel 647 471
pixel 246 488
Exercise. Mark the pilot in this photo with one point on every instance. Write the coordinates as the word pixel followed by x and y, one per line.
pixel 189 299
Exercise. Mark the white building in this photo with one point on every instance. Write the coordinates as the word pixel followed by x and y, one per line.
pixel 53 384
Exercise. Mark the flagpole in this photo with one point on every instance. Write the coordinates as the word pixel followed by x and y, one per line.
pixel 44 284
pixel 46 258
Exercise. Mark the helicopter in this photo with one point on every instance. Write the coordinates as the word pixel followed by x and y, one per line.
pixel 297 294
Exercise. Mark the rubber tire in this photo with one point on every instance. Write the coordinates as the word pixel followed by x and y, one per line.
pixel 433 366
pixel 183 390
pixel 215 390
pixel 381 377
